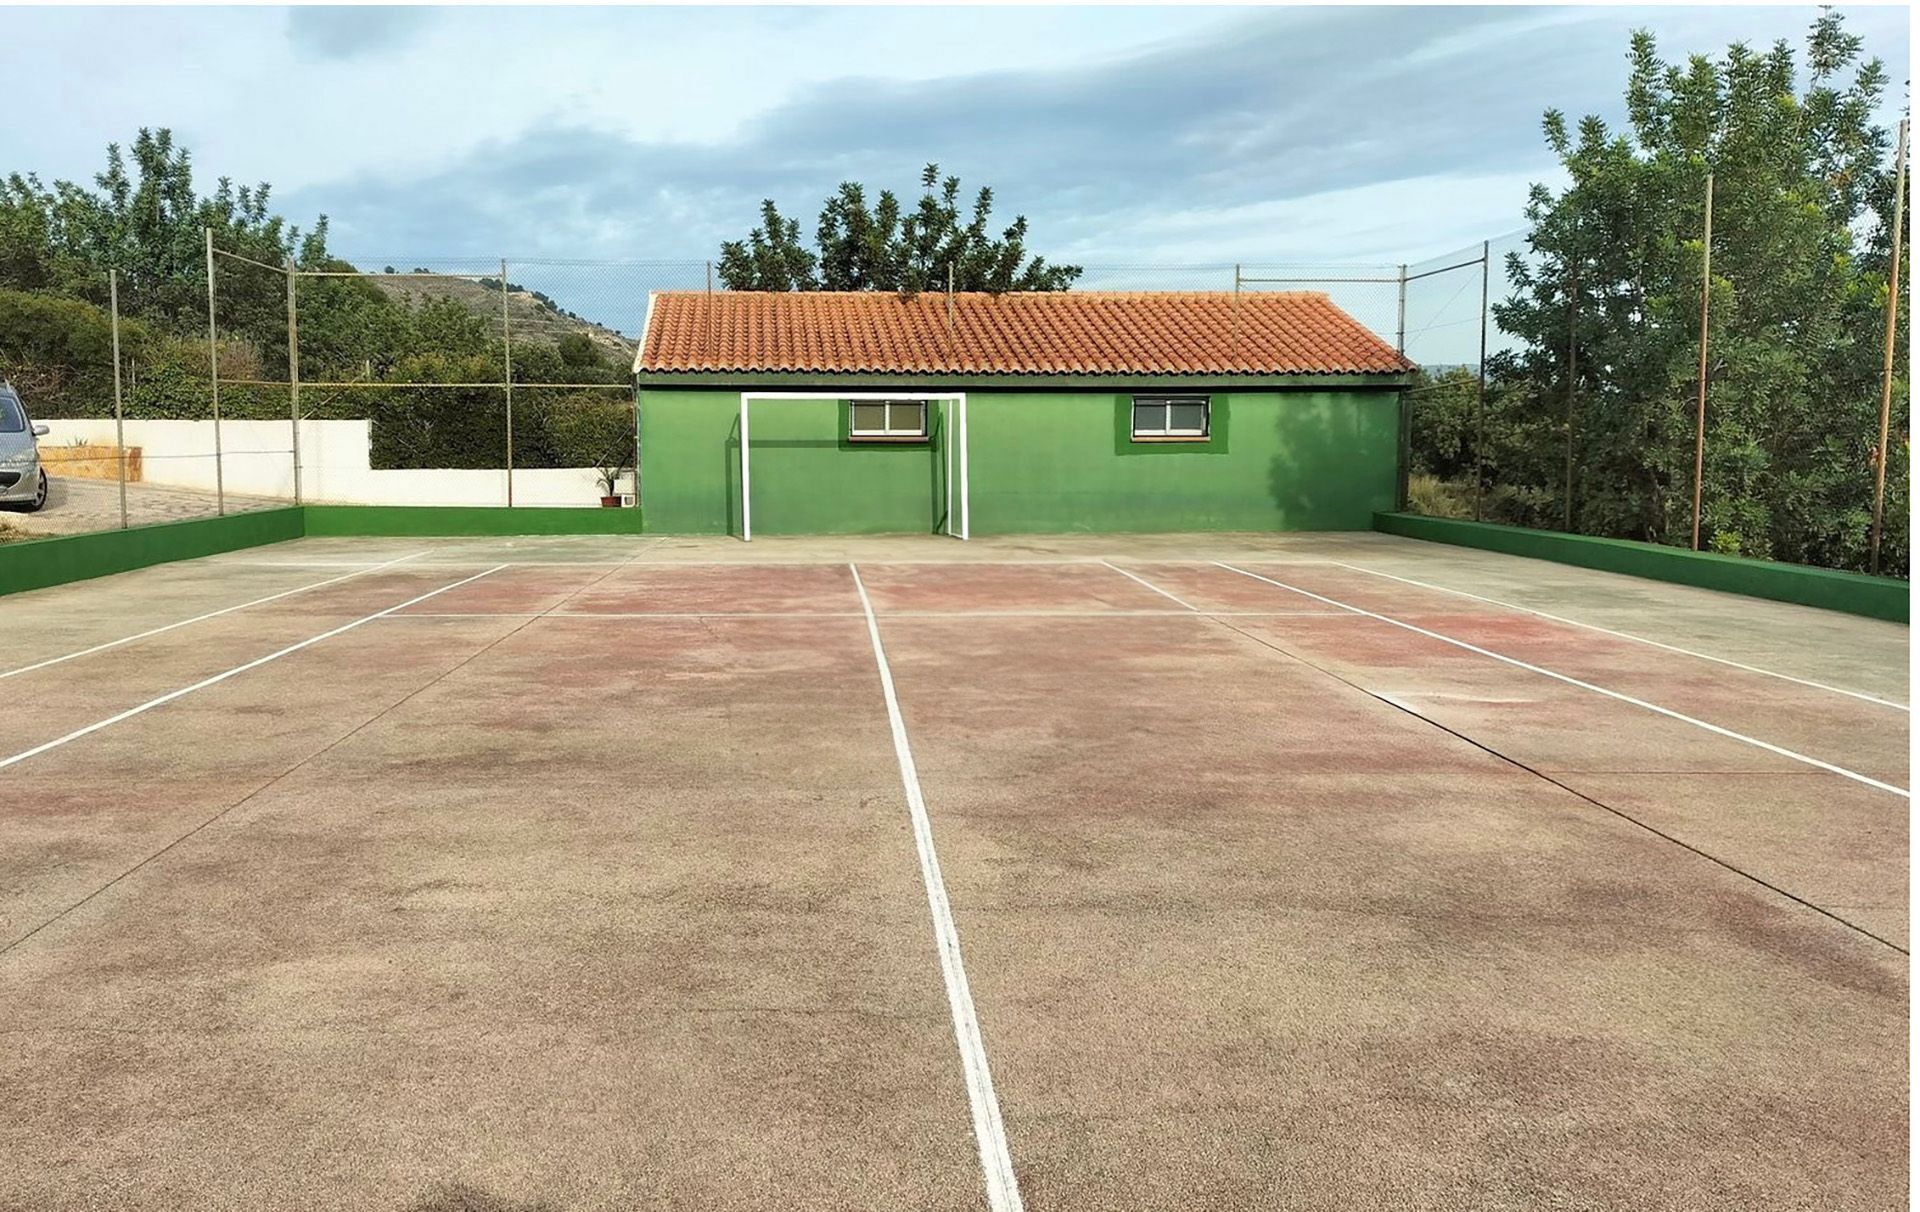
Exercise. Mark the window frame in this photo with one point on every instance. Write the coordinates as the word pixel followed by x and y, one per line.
pixel 890 434
pixel 1167 433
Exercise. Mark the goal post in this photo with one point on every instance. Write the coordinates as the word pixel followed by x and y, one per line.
pixel 953 444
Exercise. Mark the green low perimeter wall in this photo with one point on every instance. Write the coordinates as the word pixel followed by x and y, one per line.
pixel 466 520
pixel 39 563
pixel 1040 462
pixel 1852 592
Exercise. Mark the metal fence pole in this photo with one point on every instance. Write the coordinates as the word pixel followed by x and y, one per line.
pixel 1573 318
pixel 119 423
pixel 1886 363
pixel 213 379
pixel 1480 393
pixel 1700 416
pixel 1236 312
pixel 1400 325
pixel 293 370
pixel 506 346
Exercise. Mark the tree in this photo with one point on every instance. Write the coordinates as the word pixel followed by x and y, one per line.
pixel 883 247
pixel 1803 197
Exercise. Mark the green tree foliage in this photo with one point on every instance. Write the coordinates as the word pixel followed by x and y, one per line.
pixel 143 216
pixel 1803 200
pixel 883 247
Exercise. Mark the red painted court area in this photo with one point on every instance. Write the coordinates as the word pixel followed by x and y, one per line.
pixel 580 875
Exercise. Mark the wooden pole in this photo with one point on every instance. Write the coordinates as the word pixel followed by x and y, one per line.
pixel 1700 417
pixel 1886 362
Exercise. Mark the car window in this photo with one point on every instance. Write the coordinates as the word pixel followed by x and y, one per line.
pixel 13 419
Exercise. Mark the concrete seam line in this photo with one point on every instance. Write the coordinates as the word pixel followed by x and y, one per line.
pixel 1003 1188
pixel 1625 635
pixel 1602 690
pixel 1149 584
pixel 250 796
pixel 201 618
pixel 1570 789
pixel 203 683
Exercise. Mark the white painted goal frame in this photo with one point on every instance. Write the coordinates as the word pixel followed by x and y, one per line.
pixel 954 437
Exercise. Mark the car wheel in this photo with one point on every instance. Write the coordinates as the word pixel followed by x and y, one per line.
pixel 40 497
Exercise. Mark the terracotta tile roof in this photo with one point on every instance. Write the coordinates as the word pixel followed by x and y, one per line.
pixel 1072 332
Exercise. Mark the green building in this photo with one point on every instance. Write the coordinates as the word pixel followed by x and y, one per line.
pixel 1018 413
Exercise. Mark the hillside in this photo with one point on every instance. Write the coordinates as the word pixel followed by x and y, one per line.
pixel 532 316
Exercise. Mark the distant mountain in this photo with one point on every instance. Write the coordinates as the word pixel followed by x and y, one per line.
pixel 531 314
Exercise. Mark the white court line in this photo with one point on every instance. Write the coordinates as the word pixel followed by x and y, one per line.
pixel 201 618
pixel 300 563
pixel 1572 681
pixel 1003 1189
pixel 202 684
pixel 1150 585
pixel 615 614
pixel 1638 639
pixel 855 614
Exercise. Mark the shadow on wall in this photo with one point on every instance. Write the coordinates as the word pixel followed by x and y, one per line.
pixel 730 474
pixel 1338 458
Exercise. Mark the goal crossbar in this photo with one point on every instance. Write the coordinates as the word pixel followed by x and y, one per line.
pixel 954 441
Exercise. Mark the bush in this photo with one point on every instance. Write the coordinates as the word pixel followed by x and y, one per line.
pixel 466 428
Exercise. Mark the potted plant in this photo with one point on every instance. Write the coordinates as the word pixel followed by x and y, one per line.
pixel 608 472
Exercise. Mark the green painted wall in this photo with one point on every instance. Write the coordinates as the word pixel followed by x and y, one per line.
pixel 1041 462
pixel 38 563
pixel 1852 592
pixel 467 520
pixel 807 477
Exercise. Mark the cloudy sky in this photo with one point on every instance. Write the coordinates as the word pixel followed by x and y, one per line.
pixel 1127 135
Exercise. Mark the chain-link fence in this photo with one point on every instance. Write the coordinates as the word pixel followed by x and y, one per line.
pixel 507 382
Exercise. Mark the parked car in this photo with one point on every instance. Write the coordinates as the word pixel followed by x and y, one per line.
pixel 23 482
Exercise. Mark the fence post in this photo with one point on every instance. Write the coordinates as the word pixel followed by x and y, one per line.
pixel 1573 318
pixel 1480 394
pixel 119 424
pixel 1236 313
pixel 1400 324
pixel 506 346
pixel 1700 415
pixel 293 371
pixel 213 378
pixel 1886 364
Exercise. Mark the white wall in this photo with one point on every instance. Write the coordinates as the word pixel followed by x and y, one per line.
pixel 334 465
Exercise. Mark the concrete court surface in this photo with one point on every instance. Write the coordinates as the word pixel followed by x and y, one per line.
pixel 584 873
pixel 81 506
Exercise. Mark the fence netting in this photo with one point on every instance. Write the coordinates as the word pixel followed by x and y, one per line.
pixel 1528 407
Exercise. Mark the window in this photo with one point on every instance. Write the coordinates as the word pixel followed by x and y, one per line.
pixel 12 418
pixel 887 420
pixel 1170 418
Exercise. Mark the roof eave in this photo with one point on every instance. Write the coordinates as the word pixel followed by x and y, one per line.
pixel 744 379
